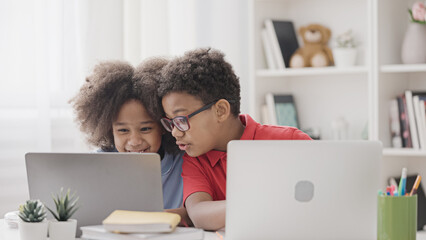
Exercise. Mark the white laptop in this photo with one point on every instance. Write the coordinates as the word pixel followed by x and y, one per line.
pixel 302 190
pixel 104 182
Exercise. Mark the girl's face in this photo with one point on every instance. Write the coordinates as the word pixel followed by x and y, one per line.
pixel 134 130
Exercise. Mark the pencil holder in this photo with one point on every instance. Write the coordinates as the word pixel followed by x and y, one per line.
pixel 396 217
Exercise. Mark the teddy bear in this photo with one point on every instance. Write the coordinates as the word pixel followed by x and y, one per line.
pixel 315 52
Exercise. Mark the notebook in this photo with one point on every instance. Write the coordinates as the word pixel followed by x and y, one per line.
pixel 141 222
pixel 104 182
pixel 302 189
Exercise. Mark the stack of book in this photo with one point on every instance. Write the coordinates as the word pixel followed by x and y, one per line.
pixel 136 225
pixel 408 120
pixel 279 43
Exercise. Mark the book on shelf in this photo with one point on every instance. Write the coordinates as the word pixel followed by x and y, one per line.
pixel 267 49
pixel 141 222
pixel 419 113
pixel 414 124
pixel 422 106
pixel 281 110
pixel 265 114
pixel 283 41
pixel 404 123
pixel 411 119
pixel 98 232
pixel 395 126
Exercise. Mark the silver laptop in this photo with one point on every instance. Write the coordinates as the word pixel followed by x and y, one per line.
pixel 104 182
pixel 302 189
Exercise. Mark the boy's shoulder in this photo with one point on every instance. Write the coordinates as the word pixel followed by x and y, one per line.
pixel 257 131
pixel 272 132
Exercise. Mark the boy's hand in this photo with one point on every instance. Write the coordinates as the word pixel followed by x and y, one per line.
pixel 204 212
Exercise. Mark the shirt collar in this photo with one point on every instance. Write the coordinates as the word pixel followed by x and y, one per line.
pixel 214 156
pixel 250 127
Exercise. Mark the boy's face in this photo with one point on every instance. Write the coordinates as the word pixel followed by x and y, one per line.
pixel 203 129
pixel 134 130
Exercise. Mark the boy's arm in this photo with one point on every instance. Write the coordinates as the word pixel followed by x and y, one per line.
pixel 204 212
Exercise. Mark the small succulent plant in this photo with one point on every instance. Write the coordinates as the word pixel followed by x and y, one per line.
pixel 65 205
pixel 32 211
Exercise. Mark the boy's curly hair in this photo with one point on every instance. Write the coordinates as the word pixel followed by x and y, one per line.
pixel 101 97
pixel 203 73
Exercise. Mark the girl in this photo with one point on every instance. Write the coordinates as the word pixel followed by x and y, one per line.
pixel 119 110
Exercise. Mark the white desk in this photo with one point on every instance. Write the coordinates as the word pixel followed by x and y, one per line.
pixel 13 234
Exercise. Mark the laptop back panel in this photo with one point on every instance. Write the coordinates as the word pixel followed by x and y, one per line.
pixel 302 189
pixel 104 182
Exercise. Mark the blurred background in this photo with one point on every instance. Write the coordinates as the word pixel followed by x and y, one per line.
pixel 47 47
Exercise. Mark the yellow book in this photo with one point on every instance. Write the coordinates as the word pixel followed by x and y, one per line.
pixel 141 222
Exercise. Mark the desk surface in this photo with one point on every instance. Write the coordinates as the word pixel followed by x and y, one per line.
pixel 13 234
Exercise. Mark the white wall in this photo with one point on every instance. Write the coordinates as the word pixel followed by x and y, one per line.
pixel 49 46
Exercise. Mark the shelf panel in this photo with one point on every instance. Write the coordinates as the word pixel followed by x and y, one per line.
pixel 403 68
pixel 311 71
pixel 403 152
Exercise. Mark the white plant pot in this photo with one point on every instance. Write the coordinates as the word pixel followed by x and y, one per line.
pixel 33 230
pixel 62 230
pixel 344 57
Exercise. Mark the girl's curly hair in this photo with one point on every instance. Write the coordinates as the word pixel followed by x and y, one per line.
pixel 147 77
pixel 101 97
pixel 203 73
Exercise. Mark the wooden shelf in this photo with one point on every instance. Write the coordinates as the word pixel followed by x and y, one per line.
pixel 395 68
pixel 403 152
pixel 311 71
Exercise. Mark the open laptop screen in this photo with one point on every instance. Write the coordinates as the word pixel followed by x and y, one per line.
pixel 104 182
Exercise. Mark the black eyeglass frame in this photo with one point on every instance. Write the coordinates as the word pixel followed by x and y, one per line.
pixel 169 124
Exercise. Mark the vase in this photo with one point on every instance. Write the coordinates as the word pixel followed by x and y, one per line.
pixel 344 57
pixel 33 230
pixel 62 230
pixel 414 45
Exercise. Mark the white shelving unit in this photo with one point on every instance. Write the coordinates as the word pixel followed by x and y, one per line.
pixel 361 94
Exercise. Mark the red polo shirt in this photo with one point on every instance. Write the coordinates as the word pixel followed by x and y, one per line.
pixel 207 172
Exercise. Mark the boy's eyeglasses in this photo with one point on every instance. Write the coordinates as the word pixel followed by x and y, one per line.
pixel 182 122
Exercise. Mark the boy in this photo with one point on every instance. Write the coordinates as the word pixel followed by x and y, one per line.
pixel 201 99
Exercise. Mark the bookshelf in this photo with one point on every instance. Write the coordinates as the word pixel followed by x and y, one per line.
pixel 361 94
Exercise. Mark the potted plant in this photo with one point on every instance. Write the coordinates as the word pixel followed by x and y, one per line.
pixel 414 44
pixel 62 227
pixel 344 53
pixel 32 221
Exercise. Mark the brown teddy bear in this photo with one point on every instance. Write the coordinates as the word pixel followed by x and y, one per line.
pixel 315 52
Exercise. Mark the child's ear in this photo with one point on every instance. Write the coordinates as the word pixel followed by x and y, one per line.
pixel 223 110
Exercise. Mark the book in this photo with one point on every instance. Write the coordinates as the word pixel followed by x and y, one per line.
pixel 395 127
pixel 405 125
pixel 265 115
pixel 419 121
pixel 411 119
pixel 141 222
pixel 283 41
pixel 422 106
pixel 98 232
pixel 414 131
pixel 282 110
pixel 267 48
